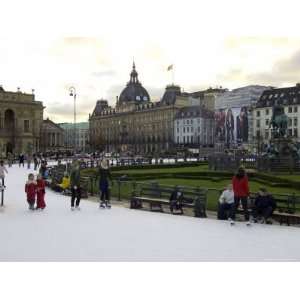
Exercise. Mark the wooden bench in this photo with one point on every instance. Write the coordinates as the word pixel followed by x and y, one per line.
pixel 286 210
pixel 157 195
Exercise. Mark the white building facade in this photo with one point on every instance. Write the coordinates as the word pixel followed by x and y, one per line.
pixel 289 98
pixel 194 127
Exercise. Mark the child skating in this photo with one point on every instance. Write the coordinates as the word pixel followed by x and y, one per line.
pixel 3 170
pixel 30 190
pixel 40 194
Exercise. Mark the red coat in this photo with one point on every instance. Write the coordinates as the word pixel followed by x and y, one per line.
pixel 30 190
pixel 40 203
pixel 240 186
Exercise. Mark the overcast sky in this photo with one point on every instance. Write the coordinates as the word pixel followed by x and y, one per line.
pixel 49 46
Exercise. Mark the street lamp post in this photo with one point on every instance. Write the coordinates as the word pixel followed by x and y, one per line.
pixel 73 94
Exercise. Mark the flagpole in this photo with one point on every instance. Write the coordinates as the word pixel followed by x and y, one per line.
pixel 173 76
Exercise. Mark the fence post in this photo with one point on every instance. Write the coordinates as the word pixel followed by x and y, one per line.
pixel 119 189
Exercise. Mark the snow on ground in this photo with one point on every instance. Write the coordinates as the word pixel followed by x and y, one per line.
pixel 121 234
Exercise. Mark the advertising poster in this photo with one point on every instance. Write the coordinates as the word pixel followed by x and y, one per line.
pixel 232 126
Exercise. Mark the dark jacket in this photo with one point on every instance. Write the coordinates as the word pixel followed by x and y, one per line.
pixel 264 202
pixel 104 176
pixel 75 177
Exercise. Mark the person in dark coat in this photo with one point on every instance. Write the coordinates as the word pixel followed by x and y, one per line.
pixel 104 177
pixel 176 199
pixel 75 185
pixel 240 187
pixel 21 160
pixel 43 170
pixel 264 206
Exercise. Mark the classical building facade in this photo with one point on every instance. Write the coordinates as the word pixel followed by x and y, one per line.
pixel 136 124
pixel 194 127
pixel 21 118
pixel 289 98
pixel 81 141
pixel 52 137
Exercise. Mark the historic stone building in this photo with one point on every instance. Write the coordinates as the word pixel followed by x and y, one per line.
pixel 136 125
pixel 21 120
pixel 289 98
pixel 194 127
pixel 52 137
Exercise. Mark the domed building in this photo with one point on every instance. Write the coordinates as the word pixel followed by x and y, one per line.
pixel 136 125
pixel 134 92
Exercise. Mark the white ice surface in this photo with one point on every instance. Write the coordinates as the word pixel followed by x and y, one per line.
pixel 121 234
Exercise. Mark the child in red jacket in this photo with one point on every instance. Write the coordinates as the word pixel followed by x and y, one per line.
pixel 241 191
pixel 30 190
pixel 40 201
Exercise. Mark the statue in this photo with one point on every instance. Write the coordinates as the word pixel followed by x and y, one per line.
pixel 279 122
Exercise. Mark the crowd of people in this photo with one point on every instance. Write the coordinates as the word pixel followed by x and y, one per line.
pixel 235 196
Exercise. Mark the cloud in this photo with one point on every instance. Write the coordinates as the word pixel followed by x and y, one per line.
pixel 285 71
pixel 106 73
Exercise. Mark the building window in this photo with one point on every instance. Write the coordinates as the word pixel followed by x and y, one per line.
pixel 188 129
pixel 183 129
pixel 192 129
pixel 192 139
pixel 295 132
pixel 295 109
pixel 258 134
pixel 258 113
pixel 267 134
pixel 290 133
pixel 257 123
pixel 178 140
pixel 184 139
pixel 267 112
pixel 295 122
pixel 290 122
pixel 290 109
pixel 267 122
pixel 26 125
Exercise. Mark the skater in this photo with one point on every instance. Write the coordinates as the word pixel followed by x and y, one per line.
pixel 35 162
pixel 30 190
pixel 43 170
pixel 28 161
pixel 3 170
pixel 21 160
pixel 264 206
pixel 105 175
pixel 75 185
pixel 226 209
pixel 241 191
pixel 10 159
pixel 40 199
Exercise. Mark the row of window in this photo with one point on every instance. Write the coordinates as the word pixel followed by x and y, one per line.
pixel 290 109
pixel 190 139
pixel 290 133
pixel 290 122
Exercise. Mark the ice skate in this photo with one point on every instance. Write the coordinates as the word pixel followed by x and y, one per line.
pixel 108 205
pixel 248 223
pixel 231 221
pixel 77 208
pixel 102 205
pixel 72 208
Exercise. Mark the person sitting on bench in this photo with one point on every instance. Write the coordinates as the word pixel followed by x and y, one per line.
pixel 176 200
pixel 226 209
pixel 264 206
pixel 65 183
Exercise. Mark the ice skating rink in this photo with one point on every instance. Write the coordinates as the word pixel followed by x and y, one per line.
pixel 121 234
